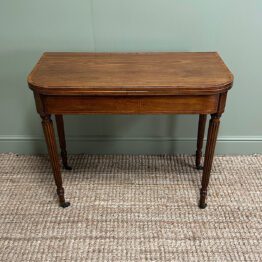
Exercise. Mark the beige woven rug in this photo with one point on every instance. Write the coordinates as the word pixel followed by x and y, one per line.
pixel 130 208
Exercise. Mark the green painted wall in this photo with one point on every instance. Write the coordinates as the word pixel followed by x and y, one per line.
pixel 231 27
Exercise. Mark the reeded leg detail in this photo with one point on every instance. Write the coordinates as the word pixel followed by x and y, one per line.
pixel 53 155
pixel 209 155
pixel 200 139
pixel 62 141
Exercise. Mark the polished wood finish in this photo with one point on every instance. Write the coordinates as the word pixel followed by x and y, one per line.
pixel 130 83
pixel 130 73
pixel 52 151
pixel 200 139
pixel 207 104
pixel 209 154
pixel 62 141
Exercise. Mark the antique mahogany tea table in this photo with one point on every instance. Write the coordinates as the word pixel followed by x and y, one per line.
pixel 130 83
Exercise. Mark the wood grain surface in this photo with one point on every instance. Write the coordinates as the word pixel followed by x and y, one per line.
pixel 130 73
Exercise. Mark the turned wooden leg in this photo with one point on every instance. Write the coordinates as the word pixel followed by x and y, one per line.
pixel 62 141
pixel 209 154
pixel 52 151
pixel 200 139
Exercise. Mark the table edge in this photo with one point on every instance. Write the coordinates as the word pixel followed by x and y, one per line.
pixel 162 90
pixel 130 90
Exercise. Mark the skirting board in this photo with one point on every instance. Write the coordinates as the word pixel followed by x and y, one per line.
pixel 134 145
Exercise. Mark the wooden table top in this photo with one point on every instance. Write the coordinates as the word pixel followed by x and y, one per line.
pixel 165 73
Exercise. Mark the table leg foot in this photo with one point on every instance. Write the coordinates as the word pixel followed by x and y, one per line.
pixel 202 202
pixel 61 196
pixel 64 160
pixel 67 167
pixel 199 167
pixel 202 205
pixel 65 204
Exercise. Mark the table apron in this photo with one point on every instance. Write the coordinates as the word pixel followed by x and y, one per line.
pixel 199 104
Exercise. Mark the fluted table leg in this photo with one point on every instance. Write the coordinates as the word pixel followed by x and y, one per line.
pixel 200 139
pixel 209 154
pixel 53 155
pixel 62 140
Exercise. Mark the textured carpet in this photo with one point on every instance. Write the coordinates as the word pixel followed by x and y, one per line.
pixel 130 208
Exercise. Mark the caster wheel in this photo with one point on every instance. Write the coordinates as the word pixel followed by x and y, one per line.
pixel 65 204
pixel 202 206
